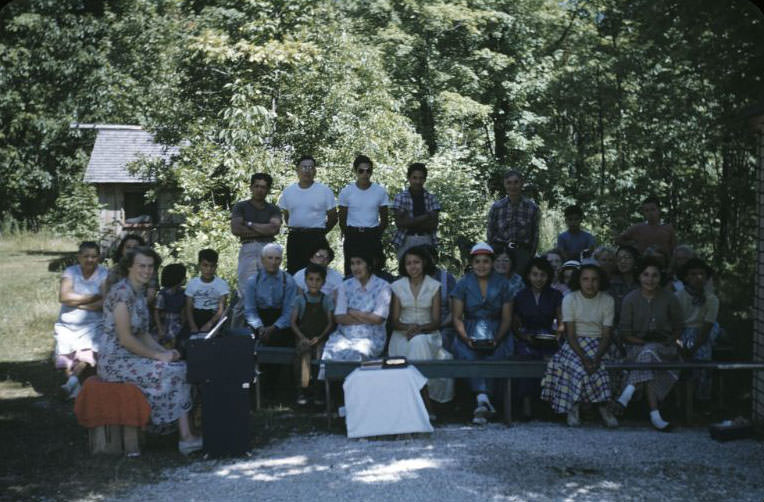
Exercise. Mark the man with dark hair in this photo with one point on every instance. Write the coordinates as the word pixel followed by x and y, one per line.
pixel 650 233
pixel 513 221
pixel 363 212
pixel 255 222
pixel 310 211
pixel 416 213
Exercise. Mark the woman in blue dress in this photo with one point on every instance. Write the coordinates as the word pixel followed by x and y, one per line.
pixel 535 309
pixel 482 312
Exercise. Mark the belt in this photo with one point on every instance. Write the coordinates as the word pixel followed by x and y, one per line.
pixel 306 230
pixel 264 241
pixel 362 229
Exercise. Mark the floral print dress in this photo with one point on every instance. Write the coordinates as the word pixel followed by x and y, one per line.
pixel 163 384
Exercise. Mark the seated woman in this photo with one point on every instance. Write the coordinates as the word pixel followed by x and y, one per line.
pixel 605 257
pixel 575 374
pixel 554 257
pixel 504 265
pixel 536 308
pixel 80 320
pixel 482 315
pixel 699 310
pixel 127 243
pixel 651 321
pixel 565 275
pixel 447 284
pixel 363 302
pixel 622 282
pixel 130 354
pixel 415 314
pixel 321 254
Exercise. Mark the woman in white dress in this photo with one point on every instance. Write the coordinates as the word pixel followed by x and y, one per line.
pixel 80 322
pixel 415 313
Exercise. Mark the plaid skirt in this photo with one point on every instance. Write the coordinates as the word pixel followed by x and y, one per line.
pixel 662 381
pixel 566 382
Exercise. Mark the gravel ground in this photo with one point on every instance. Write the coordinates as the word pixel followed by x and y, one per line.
pixel 528 462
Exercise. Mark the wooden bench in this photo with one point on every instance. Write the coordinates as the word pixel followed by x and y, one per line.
pixel 509 369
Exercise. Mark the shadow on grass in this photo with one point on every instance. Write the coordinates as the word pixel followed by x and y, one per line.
pixel 45 451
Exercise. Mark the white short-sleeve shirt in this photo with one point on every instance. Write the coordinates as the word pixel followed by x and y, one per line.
pixel 363 205
pixel 206 295
pixel 307 206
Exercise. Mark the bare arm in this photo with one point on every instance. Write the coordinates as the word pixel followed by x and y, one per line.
pixel 253 230
pixel 343 219
pixel 331 219
pixel 158 323
pixel 142 345
pixel 189 310
pixel 384 218
pixel 68 297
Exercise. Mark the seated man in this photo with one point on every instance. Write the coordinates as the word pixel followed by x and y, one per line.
pixel 268 300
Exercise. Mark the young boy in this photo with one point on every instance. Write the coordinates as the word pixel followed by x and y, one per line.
pixel 206 295
pixel 651 232
pixel 311 323
pixel 573 241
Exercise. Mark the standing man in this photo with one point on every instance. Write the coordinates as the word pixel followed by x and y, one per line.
pixel 310 211
pixel 651 232
pixel 513 221
pixel 416 213
pixel 255 222
pixel 363 213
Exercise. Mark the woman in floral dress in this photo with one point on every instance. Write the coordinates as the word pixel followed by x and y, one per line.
pixel 130 354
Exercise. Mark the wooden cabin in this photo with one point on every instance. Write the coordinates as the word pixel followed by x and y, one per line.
pixel 122 194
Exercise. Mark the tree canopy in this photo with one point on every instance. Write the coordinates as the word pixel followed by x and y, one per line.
pixel 599 102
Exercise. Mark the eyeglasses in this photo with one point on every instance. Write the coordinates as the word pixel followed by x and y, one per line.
pixel 364 170
pixel 321 256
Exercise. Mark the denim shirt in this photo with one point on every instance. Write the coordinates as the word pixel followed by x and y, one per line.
pixel 269 291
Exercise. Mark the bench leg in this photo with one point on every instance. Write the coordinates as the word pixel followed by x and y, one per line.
pixel 257 387
pixel 328 391
pixel 130 440
pixel 508 402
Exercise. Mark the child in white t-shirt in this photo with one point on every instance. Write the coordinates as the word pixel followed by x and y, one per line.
pixel 206 295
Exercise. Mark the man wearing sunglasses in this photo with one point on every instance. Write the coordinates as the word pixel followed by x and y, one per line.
pixel 363 213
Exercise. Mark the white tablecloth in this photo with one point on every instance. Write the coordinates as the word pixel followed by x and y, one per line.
pixel 385 401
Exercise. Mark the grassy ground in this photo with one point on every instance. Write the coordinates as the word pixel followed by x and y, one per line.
pixel 44 452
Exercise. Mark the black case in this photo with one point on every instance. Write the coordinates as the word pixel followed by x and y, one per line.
pixel 224 368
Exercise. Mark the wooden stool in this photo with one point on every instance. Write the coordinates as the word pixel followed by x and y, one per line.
pixel 114 413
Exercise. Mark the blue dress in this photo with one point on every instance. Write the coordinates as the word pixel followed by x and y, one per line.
pixel 482 313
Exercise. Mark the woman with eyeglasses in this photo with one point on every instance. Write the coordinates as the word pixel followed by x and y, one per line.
pixel 504 265
pixel 321 254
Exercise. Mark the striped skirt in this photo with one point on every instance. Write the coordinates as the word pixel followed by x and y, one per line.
pixel 566 382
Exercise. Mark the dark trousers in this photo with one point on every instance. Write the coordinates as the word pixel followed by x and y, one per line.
pixel 367 241
pixel 299 242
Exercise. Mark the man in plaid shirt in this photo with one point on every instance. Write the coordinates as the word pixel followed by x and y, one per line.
pixel 513 222
pixel 416 213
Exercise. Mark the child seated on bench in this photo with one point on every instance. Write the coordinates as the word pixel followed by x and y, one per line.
pixel 311 323
pixel 206 295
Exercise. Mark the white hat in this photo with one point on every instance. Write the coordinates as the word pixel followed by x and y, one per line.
pixel 571 264
pixel 481 248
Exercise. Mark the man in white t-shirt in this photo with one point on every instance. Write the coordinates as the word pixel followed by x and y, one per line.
pixel 363 213
pixel 310 211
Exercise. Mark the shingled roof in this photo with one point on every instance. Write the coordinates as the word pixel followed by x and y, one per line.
pixel 115 147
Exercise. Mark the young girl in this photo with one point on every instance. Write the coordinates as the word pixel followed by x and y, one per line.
pixel 168 312
pixel 311 324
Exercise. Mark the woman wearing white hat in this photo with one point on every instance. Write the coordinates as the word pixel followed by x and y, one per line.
pixel 482 313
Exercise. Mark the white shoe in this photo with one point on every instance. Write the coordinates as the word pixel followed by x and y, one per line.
pixel 573 419
pixel 607 417
pixel 190 446
pixel 482 400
